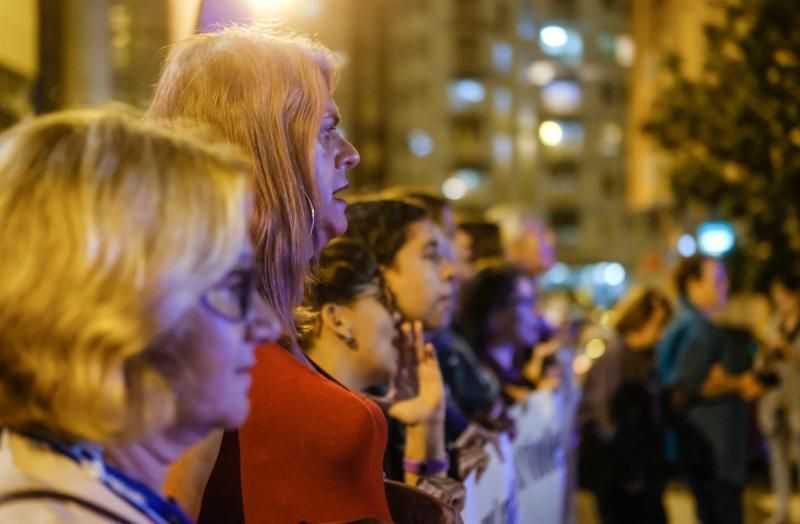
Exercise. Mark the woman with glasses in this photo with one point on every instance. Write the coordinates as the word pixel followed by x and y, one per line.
pixel 128 318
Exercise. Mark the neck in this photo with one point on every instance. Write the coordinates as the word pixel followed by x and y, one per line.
pixel 333 355
pixel 148 459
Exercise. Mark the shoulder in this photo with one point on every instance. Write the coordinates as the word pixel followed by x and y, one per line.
pixel 27 466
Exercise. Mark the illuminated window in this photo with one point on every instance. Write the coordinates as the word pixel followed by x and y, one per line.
pixel 562 136
pixel 610 141
pixel 540 73
pixel 561 96
pixel 501 101
pixel 502 56
pixel 561 41
pixel 502 148
pixel 420 143
pixel 465 93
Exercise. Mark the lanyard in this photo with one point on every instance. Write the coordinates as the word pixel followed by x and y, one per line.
pixel 138 495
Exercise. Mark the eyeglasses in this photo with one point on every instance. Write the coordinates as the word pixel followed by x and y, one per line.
pixel 231 298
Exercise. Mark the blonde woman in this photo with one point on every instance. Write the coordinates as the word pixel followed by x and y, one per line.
pixel 313 445
pixel 128 320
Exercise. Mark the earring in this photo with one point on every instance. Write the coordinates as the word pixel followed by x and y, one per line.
pixel 313 214
pixel 350 341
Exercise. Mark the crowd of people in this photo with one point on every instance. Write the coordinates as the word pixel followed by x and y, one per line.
pixel 195 325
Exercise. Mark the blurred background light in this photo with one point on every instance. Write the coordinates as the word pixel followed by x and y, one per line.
pixel 561 42
pixel 595 348
pixel 454 188
pixel 461 183
pixel 687 246
pixel 614 274
pixel 624 50
pixel 550 133
pixel 466 92
pixel 420 143
pixel 553 36
pixel 270 7
pixel 715 238
pixel 502 100
pixel 541 72
pixel 502 148
pixel 502 56
pixel 561 96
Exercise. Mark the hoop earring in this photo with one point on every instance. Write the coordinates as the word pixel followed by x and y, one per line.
pixel 313 214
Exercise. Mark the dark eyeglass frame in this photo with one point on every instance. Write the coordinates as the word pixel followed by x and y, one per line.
pixel 245 295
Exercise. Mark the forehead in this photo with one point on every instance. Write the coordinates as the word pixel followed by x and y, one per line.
pixel 422 232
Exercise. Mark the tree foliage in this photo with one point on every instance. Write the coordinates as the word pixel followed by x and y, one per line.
pixel 734 131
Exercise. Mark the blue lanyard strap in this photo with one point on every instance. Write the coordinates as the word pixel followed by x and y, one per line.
pixel 158 509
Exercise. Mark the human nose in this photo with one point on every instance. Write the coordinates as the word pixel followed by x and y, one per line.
pixel 447 271
pixel 348 157
pixel 262 324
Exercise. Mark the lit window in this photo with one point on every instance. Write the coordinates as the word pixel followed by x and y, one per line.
pixel 526 118
pixel 541 72
pixel 610 140
pixel 462 182
pixel 501 99
pixel 502 56
pixel 502 148
pixel 624 50
pixel 561 96
pixel 560 41
pixel 562 136
pixel 420 143
pixel 465 92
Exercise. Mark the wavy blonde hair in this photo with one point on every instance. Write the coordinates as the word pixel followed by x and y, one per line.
pixel 111 229
pixel 266 92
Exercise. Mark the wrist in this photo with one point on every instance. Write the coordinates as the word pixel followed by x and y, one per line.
pixel 426 468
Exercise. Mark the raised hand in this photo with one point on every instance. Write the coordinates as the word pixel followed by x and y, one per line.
pixel 430 397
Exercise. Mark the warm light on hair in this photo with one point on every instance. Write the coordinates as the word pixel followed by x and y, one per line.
pixel 111 229
pixel 265 92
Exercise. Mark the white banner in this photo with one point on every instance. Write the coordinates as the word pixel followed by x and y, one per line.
pixel 540 457
pixel 530 485
pixel 492 499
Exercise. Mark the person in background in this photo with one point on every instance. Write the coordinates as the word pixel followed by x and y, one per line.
pixel 413 254
pixel 706 392
pixel 473 392
pixel 128 315
pixel 347 327
pixel 779 408
pixel 622 456
pixel 482 241
pixel 527 240
pixel 272 95
pixel 498 319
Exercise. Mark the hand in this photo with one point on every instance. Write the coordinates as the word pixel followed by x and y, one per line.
pixel 428 403
pixel 471 458
pixel 718 381
pixel 444 489
pixel 750 387
pixel 475 434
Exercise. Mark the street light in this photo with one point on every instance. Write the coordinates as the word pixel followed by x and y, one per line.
pixel 715 238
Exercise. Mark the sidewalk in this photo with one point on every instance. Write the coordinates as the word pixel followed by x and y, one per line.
pixel 759 504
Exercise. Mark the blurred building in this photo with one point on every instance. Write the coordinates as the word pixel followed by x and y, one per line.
pixel 520 101
pixel 19 59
